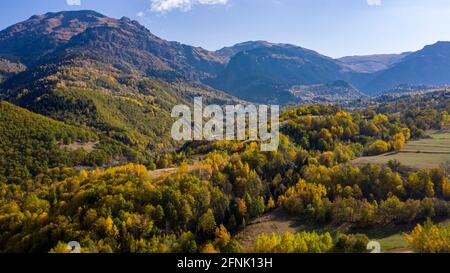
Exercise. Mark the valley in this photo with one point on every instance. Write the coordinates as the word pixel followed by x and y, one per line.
pixel 86 152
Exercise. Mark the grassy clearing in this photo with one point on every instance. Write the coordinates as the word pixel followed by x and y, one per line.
pixel 393 241
pixel 425 153
pixel 391 238
pixel 279 222
pixel 394 244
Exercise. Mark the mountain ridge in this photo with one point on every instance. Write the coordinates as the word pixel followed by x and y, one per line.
pixel 259 71
pixel 372 63
pixel 428 66
pixel 42 35
pixel 116 78
pixel 267 71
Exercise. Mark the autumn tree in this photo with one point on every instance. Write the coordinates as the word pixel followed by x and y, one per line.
pixel 207 223
pixel 377 148
pixel 429 238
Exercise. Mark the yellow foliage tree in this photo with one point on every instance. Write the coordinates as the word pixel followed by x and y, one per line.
pixel 398 142
pixel 223 237
pixel 270 204
pixel 429 238
pixel 446 188
pixel 208 248
pixel 303 242
pixel 110 228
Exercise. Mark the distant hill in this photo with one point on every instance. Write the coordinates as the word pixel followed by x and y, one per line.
pixel 437 94
pixel 265 74
pixel 429 66
pixel 409 88
pixel 228 52
pixel 9 68
pixel 372 63
pixel 339 91
pixel 263 71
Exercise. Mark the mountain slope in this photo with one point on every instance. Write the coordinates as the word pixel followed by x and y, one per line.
pixel 9 68
pixel 32 143
pixel 41 35
pixel 372 63
pixel 228 52
pixel 339 91
pixel 429 66
pixel 122 103
pixel 32 39
pixel 111 77
pixel 265 74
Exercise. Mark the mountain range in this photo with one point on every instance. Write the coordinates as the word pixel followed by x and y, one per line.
pixel 372 63
pixel 90 52
pixel 264 71
pixel 110 75
pixel 265 74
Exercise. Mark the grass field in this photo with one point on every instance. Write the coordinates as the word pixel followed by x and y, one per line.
pixel 279 222
pixel 425 153
pixel 394 244
pixel 391 238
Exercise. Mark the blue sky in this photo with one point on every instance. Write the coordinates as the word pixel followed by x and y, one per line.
pixel 332 27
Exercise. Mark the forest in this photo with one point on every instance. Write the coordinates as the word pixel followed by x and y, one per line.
pixel 50 195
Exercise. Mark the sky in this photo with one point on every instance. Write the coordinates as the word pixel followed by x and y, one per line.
pixel 334 28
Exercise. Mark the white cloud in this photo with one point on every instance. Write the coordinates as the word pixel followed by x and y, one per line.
pixel 73 2
pixel 374 2
pixel 140 14
pixel 185 5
